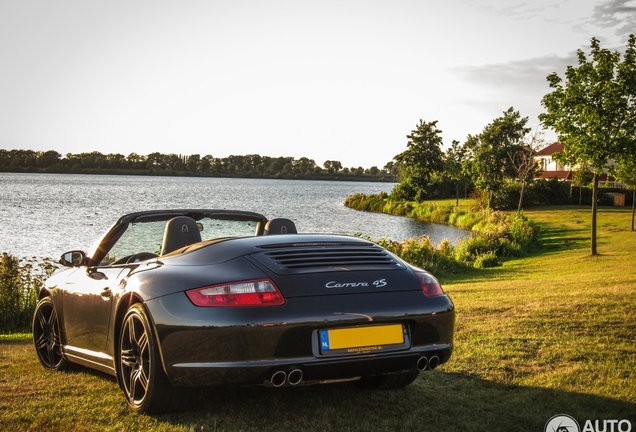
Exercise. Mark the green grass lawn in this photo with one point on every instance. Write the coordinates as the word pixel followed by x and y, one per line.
pixel 542 335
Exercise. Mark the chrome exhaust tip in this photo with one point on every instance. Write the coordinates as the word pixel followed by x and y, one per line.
pixel 433 362
pixel 422 364
pixel 278 378
pixel 295 377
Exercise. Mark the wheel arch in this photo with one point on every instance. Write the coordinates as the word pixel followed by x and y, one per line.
pixel 45 329
pixel 53 294
pixel 124 304
pixel 44 292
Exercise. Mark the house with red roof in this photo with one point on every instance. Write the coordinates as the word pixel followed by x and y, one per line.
pixel 552 169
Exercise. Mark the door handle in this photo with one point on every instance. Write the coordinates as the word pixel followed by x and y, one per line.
pixel 106 293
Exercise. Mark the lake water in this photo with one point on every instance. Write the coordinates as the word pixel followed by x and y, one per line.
pixel 44 215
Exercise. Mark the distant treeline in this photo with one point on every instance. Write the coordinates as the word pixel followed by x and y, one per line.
pixel 191 165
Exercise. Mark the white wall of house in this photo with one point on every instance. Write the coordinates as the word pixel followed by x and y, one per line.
pixel 548 164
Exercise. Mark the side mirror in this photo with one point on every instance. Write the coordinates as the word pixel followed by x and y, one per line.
pixel 74 258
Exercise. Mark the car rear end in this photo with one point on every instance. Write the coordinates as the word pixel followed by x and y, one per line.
pixel 303 309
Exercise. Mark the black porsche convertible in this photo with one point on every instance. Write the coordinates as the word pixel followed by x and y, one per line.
pixel 172 300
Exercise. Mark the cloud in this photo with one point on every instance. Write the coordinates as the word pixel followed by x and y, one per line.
pixel 518 82
pixel 618 14
pixel 521 10
pixel 517 74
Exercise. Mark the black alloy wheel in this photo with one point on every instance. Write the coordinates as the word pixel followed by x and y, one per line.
pixel 47 336
pixel 140 372
pixel 136 362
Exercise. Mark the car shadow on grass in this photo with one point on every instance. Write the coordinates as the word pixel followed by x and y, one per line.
pixel 437 401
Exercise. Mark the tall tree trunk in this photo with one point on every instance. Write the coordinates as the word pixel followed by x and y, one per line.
pixel 457 194
pixel 633 206
pixel 594 206
pixel 523 189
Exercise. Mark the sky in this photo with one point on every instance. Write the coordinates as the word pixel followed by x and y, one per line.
pixel 342 80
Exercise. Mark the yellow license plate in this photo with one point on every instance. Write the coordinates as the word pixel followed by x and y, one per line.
pixel 361 337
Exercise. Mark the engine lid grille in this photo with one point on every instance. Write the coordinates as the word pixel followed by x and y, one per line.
pixel 318 257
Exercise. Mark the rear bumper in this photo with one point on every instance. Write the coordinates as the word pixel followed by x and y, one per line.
pixel 246 346
pixel 313 370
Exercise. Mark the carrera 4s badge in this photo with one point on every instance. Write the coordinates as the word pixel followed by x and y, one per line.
pixel 376 283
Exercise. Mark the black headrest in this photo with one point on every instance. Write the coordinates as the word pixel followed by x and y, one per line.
pixel 180 231
pixel 280 226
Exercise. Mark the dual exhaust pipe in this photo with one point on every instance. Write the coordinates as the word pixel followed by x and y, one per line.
pixel 295 376
pixel 427 363
pixel 280 378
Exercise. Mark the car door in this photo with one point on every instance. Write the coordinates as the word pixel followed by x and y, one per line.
pixel 88 295
pixel 91 291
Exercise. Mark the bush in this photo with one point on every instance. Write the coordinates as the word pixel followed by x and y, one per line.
pixel 548 192
pixel 489 259
pixel 469 249
pixel 421 252
pixel 20 282
pixel 506 235
pixel 522 231
pixel 495 238
pixel 466 220
pixel 538 193
pixel 496 235
pixel 403 192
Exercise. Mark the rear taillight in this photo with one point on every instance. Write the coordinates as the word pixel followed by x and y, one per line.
pixel 261 292
pixel 430 285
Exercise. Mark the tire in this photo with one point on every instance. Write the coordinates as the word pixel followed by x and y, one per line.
pixel 389 381
pixel 140 373
pixel 47 337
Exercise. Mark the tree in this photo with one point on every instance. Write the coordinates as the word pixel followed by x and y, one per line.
pixel 193 162
pixel 115 160
pixel 523 161
pixel 332 166
pixel 594 112
pixel 173 162
pixel 206 163
pixel 453 162
pixel 305 165
pixel 422 159
pixel 48 158
pixel 391 168
pixel 489 162
pixel 135 160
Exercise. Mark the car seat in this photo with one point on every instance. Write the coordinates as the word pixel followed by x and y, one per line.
pixel 180 231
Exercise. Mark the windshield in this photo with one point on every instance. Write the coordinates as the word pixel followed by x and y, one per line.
pixel 146 238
